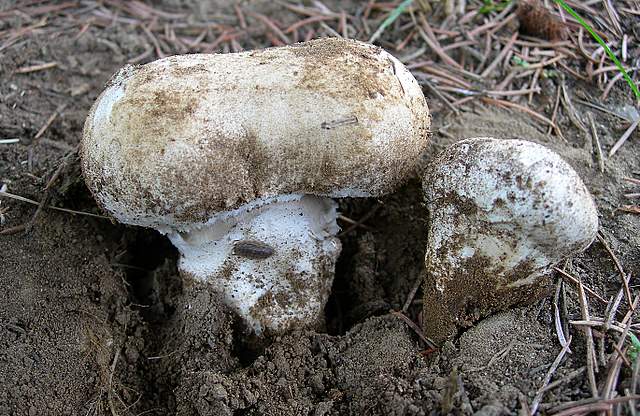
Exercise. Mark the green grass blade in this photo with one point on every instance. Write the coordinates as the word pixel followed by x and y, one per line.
pixel 635 347
pixel 598 39
pixel 390 19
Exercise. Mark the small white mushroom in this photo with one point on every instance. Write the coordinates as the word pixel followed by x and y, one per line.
pixel 236 158
pixel 502 213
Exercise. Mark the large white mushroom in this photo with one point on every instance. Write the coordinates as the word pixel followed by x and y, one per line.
pixel 236 158
pixel 502 213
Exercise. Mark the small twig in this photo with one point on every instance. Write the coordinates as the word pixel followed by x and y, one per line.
pixel 271 25
pixel 604 110
pixel 521 108
pixel 557 320
pixel 571 111
pixel 591 405
pixel 499 355
pixel 361 220
pixel 412 293
pixel 591 353
pixel 612 308
pixel 241 20
pixel 633 209
pixel 594 133
pixel 547 378
pixel 599 323
pixel 348 220
pixel 500 56
pixel 634 376
pixel 623 276
pixel 48 123
pixel 57 144
pixel 300 23
pixel 577 282
pixel 43 202
pixel 555 114
pixel 611 382
pixel 435 90
pixel 428 36
pixel 610 85
pixel 110 388
pixel 564 379
pixel 35 68
pixel 415 328
pixel 624 137
pixel 622 355
pixel 70 211
pixel 158 357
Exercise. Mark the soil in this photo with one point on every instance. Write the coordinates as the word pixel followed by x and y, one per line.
pixel 94 318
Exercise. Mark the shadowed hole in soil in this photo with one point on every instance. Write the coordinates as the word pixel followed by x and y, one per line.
pixel 341 299
pixel 380 259
pixel 146 251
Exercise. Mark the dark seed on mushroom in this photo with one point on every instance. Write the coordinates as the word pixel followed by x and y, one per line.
pixel 251 249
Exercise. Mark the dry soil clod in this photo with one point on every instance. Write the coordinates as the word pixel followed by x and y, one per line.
pixel 502 213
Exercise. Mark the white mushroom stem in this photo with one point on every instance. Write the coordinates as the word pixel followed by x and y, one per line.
pixel 273 260
pixel 502 213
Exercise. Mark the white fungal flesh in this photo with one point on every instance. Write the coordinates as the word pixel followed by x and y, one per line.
pixel 286 289
pixel 502 212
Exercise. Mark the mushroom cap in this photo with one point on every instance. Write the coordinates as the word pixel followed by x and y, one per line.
pixel 171 143
pixel 502 213
pixel 513 190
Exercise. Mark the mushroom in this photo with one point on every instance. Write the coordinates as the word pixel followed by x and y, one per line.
pixel 502 213
pixel 235 157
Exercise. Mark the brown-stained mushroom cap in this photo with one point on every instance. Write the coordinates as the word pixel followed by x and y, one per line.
pixel 170 143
